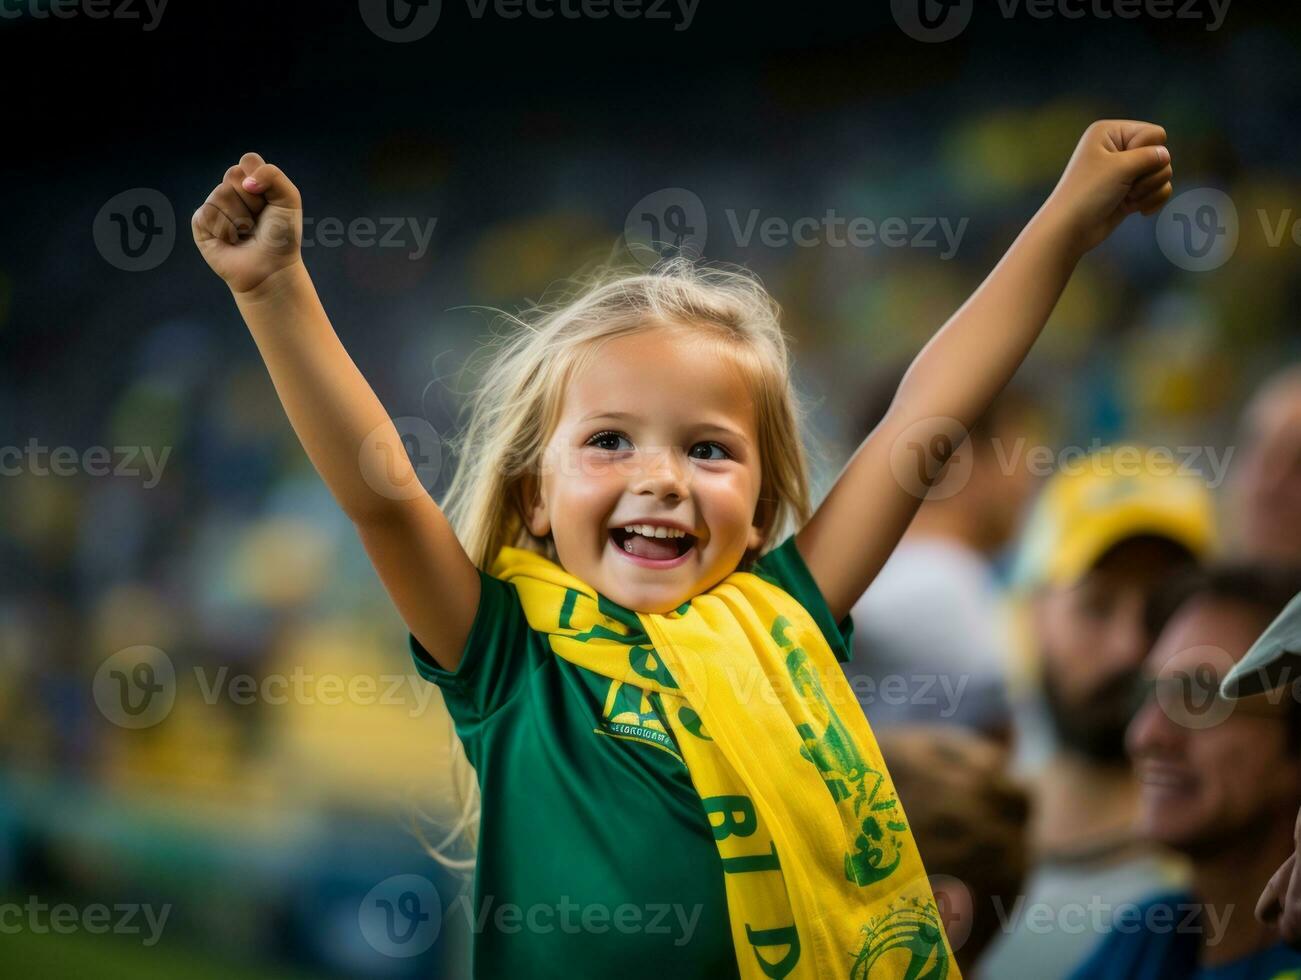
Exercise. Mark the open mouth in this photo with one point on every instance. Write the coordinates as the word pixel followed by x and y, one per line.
pixel 652 544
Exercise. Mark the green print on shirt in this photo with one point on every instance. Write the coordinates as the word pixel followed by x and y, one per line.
pixel 847 775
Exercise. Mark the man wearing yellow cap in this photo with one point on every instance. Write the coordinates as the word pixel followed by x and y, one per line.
pixel 1107 530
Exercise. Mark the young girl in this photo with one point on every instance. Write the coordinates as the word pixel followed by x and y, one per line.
pixel 676 779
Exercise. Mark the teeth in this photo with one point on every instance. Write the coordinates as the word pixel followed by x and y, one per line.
pixel 650 531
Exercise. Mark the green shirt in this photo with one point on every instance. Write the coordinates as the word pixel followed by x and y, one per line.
pixel 595 857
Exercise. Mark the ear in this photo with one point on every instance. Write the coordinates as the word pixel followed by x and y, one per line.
pixel 532 506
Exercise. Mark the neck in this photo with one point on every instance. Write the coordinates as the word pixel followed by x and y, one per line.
pixel 1227 881
pixel 1081 804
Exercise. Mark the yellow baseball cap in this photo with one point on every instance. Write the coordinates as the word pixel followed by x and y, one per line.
pixel 1095 501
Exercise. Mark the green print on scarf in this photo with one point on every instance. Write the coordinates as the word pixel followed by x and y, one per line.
pixel 914 931
pixel 847 775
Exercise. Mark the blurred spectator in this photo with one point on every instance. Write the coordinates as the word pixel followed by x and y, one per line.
pixel 934 615
pixel 1265 493
pixel 1220 782
pixel 1271 665
pixel 969 819
pixel 1107 530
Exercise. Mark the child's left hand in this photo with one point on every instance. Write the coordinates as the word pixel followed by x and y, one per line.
pixel 1120 166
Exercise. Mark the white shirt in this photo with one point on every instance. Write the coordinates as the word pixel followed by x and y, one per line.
pixel 931 640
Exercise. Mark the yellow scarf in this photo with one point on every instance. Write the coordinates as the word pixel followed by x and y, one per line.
pixel 822 875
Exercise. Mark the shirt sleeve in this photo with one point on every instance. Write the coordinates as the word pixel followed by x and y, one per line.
pixel 494 661
pixel 785 568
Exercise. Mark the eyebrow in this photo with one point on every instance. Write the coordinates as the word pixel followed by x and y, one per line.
pixel 629 416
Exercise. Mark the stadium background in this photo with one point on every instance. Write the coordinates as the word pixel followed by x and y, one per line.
pixel 532 142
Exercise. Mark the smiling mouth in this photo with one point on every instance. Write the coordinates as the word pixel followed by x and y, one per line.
pixel 651 548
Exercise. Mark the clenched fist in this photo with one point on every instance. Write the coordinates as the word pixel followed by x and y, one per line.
pixel 1120 166
pixel 251 225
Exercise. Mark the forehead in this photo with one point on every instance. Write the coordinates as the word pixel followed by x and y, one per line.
pixel 664 374
pixel 1205 631
pixel 1277 408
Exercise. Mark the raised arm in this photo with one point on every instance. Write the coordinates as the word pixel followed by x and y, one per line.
pixel 1119 167
pixel 249 230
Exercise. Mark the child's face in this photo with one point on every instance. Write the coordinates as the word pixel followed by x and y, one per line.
pixel 659 428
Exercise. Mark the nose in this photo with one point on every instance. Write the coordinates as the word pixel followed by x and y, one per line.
pixel 1152 731
pixel 663 473
pixel 1125 640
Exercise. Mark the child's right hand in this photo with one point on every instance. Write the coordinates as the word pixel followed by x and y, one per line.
pixel 251 225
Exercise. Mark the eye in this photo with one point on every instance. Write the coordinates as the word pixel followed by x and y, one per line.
pixel 609 441
pixel 709 449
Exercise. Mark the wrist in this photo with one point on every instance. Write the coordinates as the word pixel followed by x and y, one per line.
pixel 276 286
pixel 1055 231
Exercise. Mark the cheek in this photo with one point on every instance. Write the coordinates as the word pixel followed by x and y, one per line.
pixel 593 495
pixel 729 496
pixel 1235 774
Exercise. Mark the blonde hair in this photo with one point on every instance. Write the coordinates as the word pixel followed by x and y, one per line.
pixel 518 401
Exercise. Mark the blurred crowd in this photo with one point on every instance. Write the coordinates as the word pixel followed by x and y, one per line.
pixel 1136 494
pixel 1133 816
